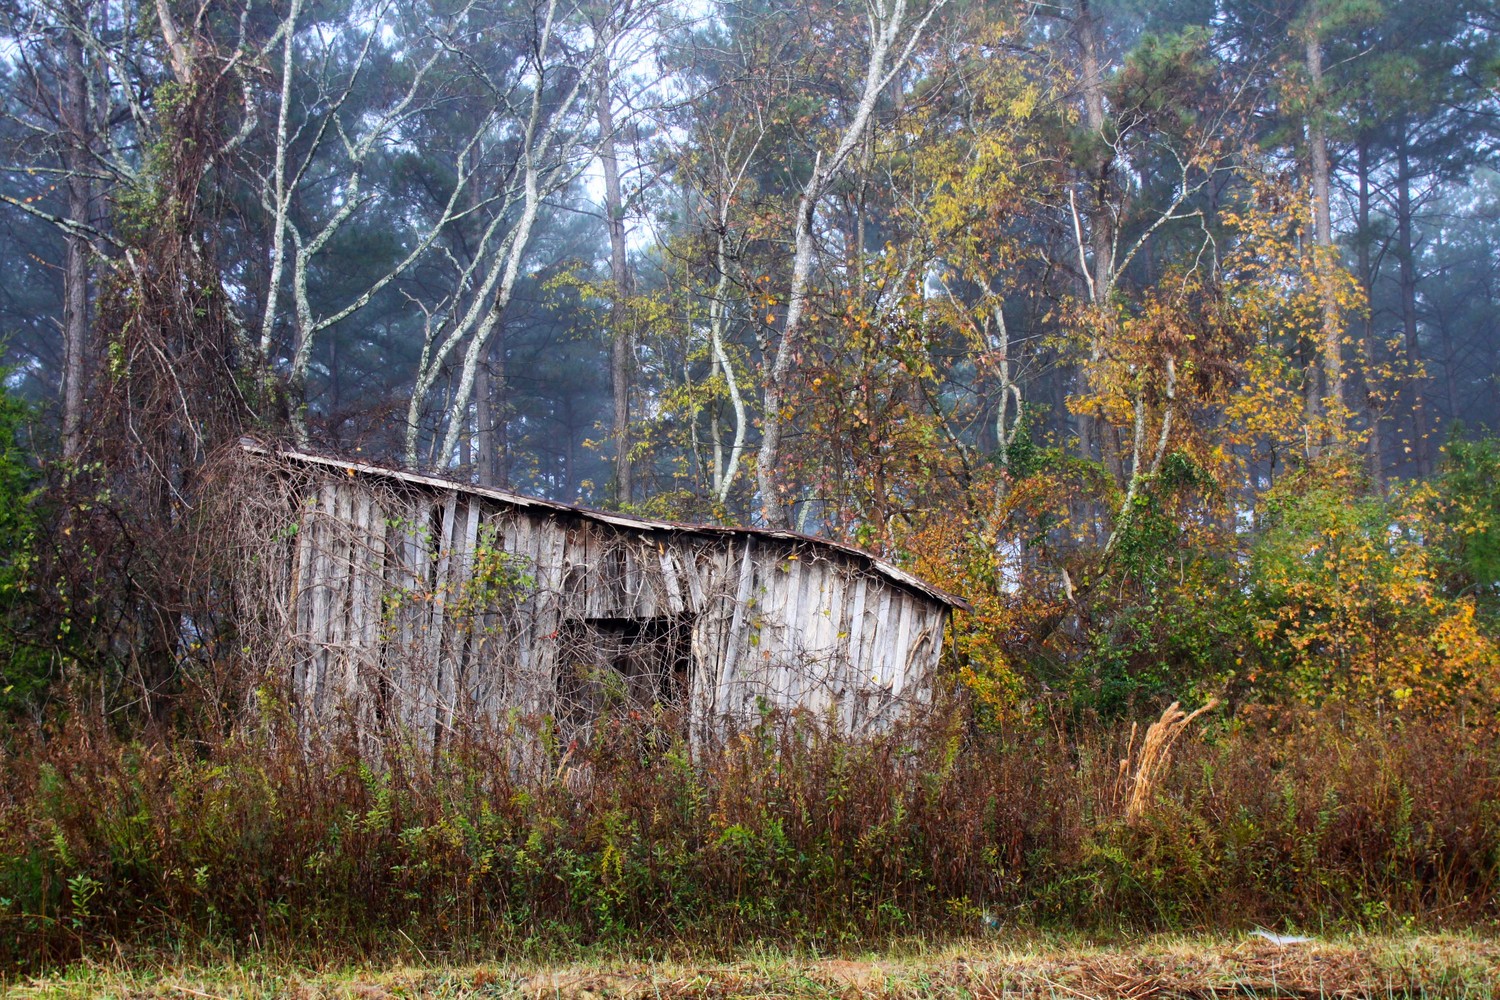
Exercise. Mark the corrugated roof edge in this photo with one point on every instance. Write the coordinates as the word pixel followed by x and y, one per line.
pixel 891 572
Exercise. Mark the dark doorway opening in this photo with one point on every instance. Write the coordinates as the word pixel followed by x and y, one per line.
pixel 631 667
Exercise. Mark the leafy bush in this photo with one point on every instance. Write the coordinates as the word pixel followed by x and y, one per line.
pixel 1465 511
pixel 24 669
pixel 1327 588
pixel 1349 601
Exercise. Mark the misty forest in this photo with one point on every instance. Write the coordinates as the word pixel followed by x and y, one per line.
pixel 1164 335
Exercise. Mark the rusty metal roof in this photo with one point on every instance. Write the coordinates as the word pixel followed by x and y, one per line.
pixel 628 522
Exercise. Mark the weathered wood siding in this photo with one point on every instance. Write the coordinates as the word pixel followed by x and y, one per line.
pixel 422 606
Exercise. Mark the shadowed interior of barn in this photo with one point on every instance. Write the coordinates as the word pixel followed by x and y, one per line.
pixel 420 602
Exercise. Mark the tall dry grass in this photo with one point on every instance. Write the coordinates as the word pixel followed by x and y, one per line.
pixel 788 832
pixel 1139 773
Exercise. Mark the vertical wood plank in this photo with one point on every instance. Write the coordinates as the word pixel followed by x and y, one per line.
pixel 359 649
pixel 300 601
pixel 857 673
pixel 713 608
pixel 901 646
pixel 691 561
pixel 552 539
pixel 447 582
pixel 881 637
pixel 417 690
pixel 318 633
pixel 801 607
pixel 440 542
pixel 735 638
pixel 521 544
pixel 341 672
pixel 671 584
pixel 833 642
pixel 458 631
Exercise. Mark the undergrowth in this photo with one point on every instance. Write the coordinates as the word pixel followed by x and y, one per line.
pixel 787 833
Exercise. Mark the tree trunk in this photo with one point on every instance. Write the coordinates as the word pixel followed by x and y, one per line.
pixel 466 451
pixel 498 424
pixel 1100 270
pixel 484 419
pixel 619 274
pixel 1406 250
pixel 725 468
pixel 1368 344
pixel 77 142
pixel 1331 403
pixel 773 507
pixel 1101 218
pixel 886 24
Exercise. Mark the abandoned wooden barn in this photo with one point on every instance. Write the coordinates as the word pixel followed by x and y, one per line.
pixel 421 602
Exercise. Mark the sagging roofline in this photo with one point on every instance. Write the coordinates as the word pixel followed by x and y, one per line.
pixel 631 522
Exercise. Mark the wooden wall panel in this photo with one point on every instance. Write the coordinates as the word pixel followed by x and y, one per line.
pixel 381 601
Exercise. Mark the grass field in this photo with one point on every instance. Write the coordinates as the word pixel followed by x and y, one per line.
pixel 1004 966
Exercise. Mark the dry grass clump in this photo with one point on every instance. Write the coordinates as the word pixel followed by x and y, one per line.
pixel 1155 755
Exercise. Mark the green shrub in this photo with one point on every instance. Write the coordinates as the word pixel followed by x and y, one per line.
pixel 25 669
